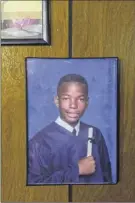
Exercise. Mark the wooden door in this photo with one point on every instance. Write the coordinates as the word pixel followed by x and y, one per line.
pixel 99 28
pixel 14 112
pixel 107 28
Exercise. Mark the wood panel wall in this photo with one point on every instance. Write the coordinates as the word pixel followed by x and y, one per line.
pixel 107 28
pixel 14 112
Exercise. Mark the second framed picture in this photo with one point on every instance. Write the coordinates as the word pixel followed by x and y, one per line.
pixel 25 22
pixel 72 120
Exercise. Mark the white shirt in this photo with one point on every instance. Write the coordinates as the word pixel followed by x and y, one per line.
pixel 68 127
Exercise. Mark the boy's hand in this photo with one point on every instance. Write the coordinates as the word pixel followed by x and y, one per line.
pixel 87 166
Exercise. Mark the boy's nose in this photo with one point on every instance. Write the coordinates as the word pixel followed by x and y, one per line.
pixel 73 104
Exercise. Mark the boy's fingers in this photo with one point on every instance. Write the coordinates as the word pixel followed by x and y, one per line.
pixel 90 157
pixel 93 162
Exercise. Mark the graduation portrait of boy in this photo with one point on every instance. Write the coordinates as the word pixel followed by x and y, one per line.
pixel 68 151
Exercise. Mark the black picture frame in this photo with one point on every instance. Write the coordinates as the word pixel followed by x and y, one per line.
pixel 31 64
pixel 45 40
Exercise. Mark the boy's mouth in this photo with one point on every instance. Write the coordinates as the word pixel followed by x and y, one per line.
pixel 73 115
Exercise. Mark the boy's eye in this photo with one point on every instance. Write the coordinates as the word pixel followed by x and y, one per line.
pixel 82 99
pixel 65 98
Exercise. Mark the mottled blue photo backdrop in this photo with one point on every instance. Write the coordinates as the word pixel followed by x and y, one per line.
pixel 101 74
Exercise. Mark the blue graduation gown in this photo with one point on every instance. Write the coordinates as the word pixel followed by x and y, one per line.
pixel 53 156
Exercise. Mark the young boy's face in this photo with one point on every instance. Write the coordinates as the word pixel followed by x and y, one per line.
pixel 72 100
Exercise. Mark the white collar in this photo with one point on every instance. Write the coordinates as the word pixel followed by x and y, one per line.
pixel 65 125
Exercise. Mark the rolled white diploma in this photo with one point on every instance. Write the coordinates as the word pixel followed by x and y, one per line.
pixel 89 147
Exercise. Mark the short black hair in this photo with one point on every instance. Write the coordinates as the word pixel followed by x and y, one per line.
pixel 73 78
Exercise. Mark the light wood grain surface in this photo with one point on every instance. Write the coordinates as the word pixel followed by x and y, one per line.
pixel 14 187
pixel 107 28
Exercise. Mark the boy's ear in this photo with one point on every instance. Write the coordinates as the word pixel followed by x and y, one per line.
pixel 56 101
pixel 87 103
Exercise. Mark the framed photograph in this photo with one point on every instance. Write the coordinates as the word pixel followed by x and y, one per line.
pixel 72 106
pixel 25 22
